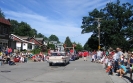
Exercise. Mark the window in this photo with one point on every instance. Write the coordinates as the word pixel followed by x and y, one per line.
pixel 30 46
pixel 5 30
pixel 4 44
pixel 2 27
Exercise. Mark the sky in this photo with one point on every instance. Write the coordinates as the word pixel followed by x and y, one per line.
pixel 58 17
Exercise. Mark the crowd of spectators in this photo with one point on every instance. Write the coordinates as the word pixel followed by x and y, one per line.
pixel 115 62
pixel 7 56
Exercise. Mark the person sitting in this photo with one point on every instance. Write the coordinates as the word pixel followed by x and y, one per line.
pixel 11 62
pixel 7 59
pixel 122 70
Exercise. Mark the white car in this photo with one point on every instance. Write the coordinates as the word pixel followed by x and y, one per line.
pixel 58 57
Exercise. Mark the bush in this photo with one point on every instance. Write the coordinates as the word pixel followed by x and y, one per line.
pixel 36 51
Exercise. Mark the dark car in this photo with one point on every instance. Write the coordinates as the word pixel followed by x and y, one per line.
pixel 76 56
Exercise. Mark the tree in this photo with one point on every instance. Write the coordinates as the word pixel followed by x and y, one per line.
pixel 68 42
pixel 34 32
pixel 14 26
pixel 2 14
pixel 51 46
pixel 92 43
pixel 40 35
pixel 54 38
pixel 116 24
pixel 78 47
pixel 24 29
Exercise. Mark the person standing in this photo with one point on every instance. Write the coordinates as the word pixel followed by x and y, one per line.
pixel 130 61
pixel 85 54
pixel 99 55
pixel 119 54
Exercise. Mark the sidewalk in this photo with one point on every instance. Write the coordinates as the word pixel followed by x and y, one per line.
pixel 117 79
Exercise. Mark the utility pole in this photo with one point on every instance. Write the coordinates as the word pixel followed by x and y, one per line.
pixel 98 27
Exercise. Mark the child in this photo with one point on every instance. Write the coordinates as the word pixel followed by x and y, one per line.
pixel 110 65
pixel 106 61
pixel 93 58
pixel 122 69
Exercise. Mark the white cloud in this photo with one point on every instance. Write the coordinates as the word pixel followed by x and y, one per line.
pixel 47 27
pixel 68 14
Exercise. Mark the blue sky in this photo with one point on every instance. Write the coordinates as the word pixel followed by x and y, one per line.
pixel 58 17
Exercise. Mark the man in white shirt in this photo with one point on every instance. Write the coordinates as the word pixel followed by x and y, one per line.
pixel 119 53
pixel 99 55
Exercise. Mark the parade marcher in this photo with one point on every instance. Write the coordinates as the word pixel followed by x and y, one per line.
pixel 85 54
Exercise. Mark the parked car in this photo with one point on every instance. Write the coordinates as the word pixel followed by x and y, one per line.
pixel 72 58
pixel 76 56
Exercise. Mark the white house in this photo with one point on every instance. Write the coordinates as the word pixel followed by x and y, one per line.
pixel 21 44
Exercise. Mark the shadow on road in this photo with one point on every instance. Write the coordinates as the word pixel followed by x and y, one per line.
pixel 128 78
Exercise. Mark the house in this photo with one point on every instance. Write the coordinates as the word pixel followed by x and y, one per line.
pixel 4 33
pixel 39 42
pixel 21 43
pixel 26 43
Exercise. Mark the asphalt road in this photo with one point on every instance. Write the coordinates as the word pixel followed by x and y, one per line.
pixel 78 71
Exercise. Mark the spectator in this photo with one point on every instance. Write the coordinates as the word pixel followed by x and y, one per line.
pixel 130 61
pixel 11 62
pixel 22 59
pixel 99 55
pixel 1 57
pixel 7 59
pixel 119 54
pixel 109 69
pixel 122 69
pixel 115 65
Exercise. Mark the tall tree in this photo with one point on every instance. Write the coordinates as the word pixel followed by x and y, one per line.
pixel 14 26
pixel 78 47
pixel 54 38
pixel 34 32
pixel 68 42
pixel 40 35
pixel 116 24
pixel 24 29
pixel 92 43
pixel 2 14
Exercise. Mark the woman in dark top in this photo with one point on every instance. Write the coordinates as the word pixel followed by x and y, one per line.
pixel 130 61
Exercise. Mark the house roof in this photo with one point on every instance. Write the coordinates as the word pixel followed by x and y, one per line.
pixel 39 38
pixel 4 21
pixel 22 39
